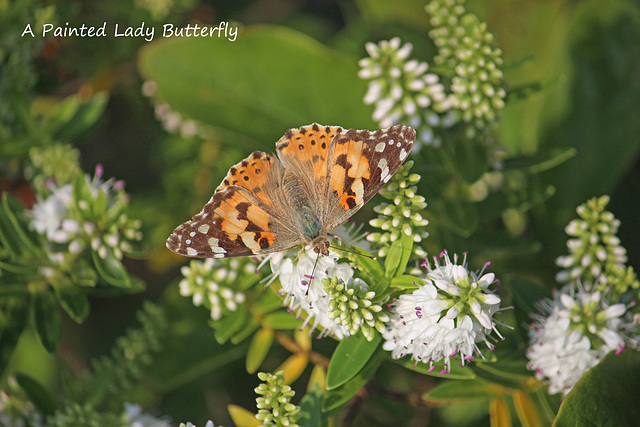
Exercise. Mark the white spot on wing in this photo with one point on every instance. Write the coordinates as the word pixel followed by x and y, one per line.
pixel 385 174
pixel 218 255
pixel 192 252
pixel 203 228
pixel 188 241
pixel 193 233
pixel 403 154
pixel 213 241
pixel 382 163
pixel 391 142
pixel 380 147
pixel 218 250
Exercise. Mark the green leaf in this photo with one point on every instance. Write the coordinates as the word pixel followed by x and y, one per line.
pixel 46 319
pixel 540 162
pixel 247 329
pixel 336 398
pixel 15 237
pixel 258 349
pixel 72 299
pixel 230 324
pixel 282 320
pixel 398 256
pixel 368 265
pixel 349 358
pixel 457 391
pixel 111 270
pixel 298 81
pixel 311 408
pixel 84 116
pixel 14 314
pixel 38 395
pixel 457 372
pixel 607 395
pixel 406 282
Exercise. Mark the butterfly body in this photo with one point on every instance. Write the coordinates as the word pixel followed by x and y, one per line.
pixel 324 175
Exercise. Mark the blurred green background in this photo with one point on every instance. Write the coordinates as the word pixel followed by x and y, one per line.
pixel 294 63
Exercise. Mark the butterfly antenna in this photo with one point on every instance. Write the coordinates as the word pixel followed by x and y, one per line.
pixel 313 272
pixel 348 250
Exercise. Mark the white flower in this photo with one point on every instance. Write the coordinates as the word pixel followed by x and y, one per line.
pixel 577 330
pixel 304 292
pixel 47 215
pixel 447 315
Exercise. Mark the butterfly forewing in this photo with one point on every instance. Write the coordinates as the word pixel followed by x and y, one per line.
pixel 359 163
pixel 303 152
pixel 245 216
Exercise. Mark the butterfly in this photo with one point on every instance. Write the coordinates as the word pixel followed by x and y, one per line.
pixel 323 176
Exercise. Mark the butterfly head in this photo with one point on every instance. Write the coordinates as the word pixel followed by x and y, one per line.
pixel 321 245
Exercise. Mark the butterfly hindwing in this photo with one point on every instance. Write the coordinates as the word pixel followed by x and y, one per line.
pixel 359 163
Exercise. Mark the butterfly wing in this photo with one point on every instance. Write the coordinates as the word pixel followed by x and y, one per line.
pixel 245 216
pixel 359 163
pixel 303 152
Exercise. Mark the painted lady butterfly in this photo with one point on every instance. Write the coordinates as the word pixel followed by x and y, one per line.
pixel 325 174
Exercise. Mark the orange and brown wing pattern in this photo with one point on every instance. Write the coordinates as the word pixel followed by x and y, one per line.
pixel 304 151
pixel 360 162
pixel 259 173
pixel 234 223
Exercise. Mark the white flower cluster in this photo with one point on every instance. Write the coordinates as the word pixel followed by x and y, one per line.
pixel 72 219
pixel 403 215
pixel 403 91
pixel 465 45
pixel 573 332
pixel 594 249
pixel 303 290
pixel 211 283
pixel 448 315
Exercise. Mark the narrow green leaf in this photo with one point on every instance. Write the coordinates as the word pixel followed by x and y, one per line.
pixel 38 395
pixel 336 398
pixel 230 324
pixel 311 408
pixel 62 113
pixel 72 299
pixel 281 320
pixel 14 314
pixel 456 391
pixel 349 358
pixel 607 395
pixel 368 265
pixel 247 329
pixel 398 256
pixel 540 162
pixel 393 259
pixel 46 319
pixel 111 270
pixel 84 117
pixel 258 349
pixel 14 211
pixel 406 282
